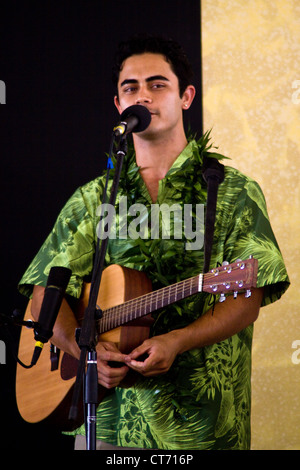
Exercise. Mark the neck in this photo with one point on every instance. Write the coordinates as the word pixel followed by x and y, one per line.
pixel 156 156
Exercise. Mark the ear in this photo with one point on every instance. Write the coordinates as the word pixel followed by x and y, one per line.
pixel 117 104
pixel 188 97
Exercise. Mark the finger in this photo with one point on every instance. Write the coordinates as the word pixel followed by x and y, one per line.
pixel 144 370
pixel 105 369
pixel 111 377
pixel 109 352
pixel 146 367
pixel 140 353
pixel 108 383
pixel 113 357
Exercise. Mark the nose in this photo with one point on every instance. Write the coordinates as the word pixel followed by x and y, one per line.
pixel 143 96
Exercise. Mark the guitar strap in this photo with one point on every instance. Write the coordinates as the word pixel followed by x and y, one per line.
pixel 213 175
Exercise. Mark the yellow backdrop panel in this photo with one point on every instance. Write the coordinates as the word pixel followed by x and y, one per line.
pixel 251 93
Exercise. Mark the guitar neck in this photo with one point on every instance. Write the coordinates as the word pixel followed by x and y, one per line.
pixel 145 304
pixel 234 277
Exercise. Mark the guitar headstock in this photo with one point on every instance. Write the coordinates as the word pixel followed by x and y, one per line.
pixel 235 277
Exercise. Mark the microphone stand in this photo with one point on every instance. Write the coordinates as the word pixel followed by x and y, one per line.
pixel 15 320
pixel 87 340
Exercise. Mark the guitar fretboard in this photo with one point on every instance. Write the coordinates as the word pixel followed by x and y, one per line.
pixel 145 304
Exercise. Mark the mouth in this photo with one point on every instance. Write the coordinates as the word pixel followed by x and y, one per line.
pixel 151 111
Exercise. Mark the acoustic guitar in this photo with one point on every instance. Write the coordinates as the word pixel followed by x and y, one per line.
pixel 127 301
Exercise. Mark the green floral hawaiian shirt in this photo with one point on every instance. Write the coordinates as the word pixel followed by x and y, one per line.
pixel 204 401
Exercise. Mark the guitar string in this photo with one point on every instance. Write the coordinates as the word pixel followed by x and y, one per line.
pixel 125 312
pixel 136 308
pixel 143 298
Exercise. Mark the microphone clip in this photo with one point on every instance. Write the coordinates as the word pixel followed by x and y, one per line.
pixel 120 129
pixel 16 319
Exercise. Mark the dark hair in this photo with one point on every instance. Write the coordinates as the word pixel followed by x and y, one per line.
pixel 173 52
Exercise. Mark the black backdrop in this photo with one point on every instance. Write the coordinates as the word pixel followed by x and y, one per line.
pixel 55 128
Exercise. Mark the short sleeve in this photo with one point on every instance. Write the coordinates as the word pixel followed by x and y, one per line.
pixel 250 234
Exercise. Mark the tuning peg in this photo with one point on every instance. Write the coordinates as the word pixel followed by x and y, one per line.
pixel 214 271
pixel 248 293
pixel 222 297
pixel 226 266
pixel 235 294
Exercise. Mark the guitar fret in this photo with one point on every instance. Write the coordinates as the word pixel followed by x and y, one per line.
pixel 184 282
pixel 141 306
pixel 231 278
pixel 191 285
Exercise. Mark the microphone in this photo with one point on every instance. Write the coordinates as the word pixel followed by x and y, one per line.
pixel 136 118
pixel 54 292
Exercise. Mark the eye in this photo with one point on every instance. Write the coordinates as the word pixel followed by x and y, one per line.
pixel 129 89
pixel 157 86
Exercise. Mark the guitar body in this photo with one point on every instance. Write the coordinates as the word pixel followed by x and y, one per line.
pixel 43 393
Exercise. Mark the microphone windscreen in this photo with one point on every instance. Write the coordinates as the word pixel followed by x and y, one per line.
pixel 139 111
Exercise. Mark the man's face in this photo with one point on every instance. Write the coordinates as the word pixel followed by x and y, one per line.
pixel 148 80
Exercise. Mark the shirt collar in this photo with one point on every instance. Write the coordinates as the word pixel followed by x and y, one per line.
pixel 184 156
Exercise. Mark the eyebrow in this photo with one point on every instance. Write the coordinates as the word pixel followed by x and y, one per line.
pixel 149 79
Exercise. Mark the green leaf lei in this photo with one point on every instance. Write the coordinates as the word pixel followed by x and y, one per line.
pixel 165 261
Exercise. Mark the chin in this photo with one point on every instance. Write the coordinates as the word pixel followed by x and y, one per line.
pixel 150 132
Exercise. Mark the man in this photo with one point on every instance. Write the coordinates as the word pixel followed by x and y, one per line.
pixel 193 390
